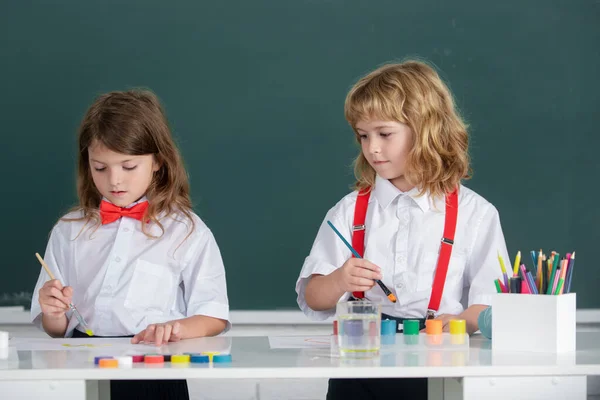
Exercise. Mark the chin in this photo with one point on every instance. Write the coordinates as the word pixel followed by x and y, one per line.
pixel 121 202
pixel 390 176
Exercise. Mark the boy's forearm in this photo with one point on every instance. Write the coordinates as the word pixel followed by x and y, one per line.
pixel 470 315
pixel 322 292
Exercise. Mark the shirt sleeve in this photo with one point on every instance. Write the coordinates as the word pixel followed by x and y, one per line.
pixel 205 289
pixel 56 259
pixel 483 266
pixel 327 254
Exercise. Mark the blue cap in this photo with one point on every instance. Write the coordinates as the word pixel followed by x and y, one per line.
pixel 199 359
pixel 388 327
pixel 222 358
pixel 485 322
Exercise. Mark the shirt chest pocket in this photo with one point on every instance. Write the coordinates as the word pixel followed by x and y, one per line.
pixel 454 278
pixel 151 288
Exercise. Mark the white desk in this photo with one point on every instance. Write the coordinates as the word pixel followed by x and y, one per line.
pixel 71 373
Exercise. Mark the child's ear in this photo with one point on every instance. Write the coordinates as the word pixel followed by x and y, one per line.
pixel 156 163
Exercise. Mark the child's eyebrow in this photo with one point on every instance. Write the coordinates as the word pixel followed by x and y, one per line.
pixel 384 126
pixel 124 161
pixel 376 127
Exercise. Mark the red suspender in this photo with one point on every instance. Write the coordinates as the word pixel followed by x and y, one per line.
pixel 358 227
pixel 445 252
pixel 358 242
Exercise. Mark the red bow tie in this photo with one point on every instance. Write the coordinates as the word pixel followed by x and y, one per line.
pixel 110 213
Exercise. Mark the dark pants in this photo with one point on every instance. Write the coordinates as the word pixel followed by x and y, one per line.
pixel 379 388
pixel 144 389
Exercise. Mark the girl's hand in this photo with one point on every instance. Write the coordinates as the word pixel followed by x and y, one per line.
pixel 159 333
pixel 54 299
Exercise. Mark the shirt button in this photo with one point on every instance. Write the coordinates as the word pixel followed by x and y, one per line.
pixel 118 259
pixel 108 288
pixel 126 230
pixel 401 286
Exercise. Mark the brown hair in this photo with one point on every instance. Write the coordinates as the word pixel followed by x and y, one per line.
pixel 134 123
pixel 412 93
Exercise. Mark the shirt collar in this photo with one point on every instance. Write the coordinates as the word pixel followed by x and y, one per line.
pixel 385 193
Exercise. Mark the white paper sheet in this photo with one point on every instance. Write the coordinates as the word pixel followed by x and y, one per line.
pixel 91 344
pixel 299 342
pixel 121 346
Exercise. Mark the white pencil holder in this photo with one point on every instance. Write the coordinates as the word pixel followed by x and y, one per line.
pixel 533 323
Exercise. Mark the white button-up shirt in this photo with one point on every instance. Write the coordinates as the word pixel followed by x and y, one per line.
pixel 123 280
pixel 403 234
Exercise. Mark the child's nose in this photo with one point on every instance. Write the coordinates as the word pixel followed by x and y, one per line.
pixel 375 147
pixel 115 178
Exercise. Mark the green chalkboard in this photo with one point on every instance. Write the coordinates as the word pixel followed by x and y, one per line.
pixel 254 91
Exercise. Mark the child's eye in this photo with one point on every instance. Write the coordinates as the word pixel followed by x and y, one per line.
pixel 130 168
pixel 382 134
pixel 100 169
pixel 362 137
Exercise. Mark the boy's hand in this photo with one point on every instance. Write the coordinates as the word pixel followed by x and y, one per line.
pixel 357 275
pixel 159 333
pixel 445 318
pixel 54 299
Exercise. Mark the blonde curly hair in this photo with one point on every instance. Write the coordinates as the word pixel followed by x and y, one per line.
pixel 412 93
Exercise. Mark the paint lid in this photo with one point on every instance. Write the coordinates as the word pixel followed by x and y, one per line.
pixel 210 354
pixel 154 359
pixel 199 359
pixel 335 327
pixel 411 326
pixel 222 358
pixel 167 357
pixel 108 363
pixel 458 327
pixel 180 358
pixel 434 326
pixel 125 361
pixel 3 339
pixel 137 358
pixel 97 359
pixel 388 327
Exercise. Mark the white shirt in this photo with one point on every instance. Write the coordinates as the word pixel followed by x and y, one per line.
pixel 402 237
pixel 123 280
